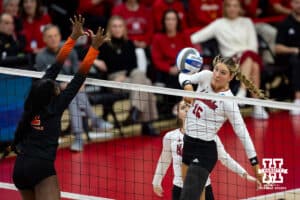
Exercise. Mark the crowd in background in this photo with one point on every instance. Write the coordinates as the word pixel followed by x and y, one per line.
pixel 147 35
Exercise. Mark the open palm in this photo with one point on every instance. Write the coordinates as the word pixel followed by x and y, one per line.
pixel 77 26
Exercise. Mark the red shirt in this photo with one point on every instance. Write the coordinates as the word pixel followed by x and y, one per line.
pixel 165 49
pixel 285 3
pixel 160 6
pixel 139 22
pixel 86 6
pixel 147 3
pixel 203 12
pixel 250 7
pixel 33 32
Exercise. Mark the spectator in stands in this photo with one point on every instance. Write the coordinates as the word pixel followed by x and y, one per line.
pixel 147 3
pixel 165 47
pixel 159 8
pixel 119 61
pixel 202 12
pixel 281 7
pixel 34 19
pixel 288 48
pixel 139 28
pixel 96 12
pixel 236 37
pixel 52 39
pixel 10 48
pixel 256 9
pixel 12 7
pixel 60 13
pixel 80 106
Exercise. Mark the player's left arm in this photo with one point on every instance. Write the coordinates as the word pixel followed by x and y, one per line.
pixel 240 129
pixel 163 164
pixel 230 163
pixel 227 160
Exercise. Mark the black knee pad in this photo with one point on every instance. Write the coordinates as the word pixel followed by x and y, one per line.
pixel 194 183
pixel 209 195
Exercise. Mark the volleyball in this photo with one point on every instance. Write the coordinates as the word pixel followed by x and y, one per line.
pixel 189 60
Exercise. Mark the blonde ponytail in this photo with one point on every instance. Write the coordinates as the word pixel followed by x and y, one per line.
pixel 250 85
pixel 235 70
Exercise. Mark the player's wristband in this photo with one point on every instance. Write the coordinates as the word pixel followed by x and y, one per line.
pixel 186 82
pixel 253 161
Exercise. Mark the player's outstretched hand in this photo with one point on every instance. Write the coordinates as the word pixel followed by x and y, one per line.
pixel 77 27
pixel 158 191
pixel 252 179
pixel 99 38
pixel 259 176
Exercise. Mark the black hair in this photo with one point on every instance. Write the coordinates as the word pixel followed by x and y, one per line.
pixel 163 19
pixel 50 26
pixel 39 12
pixel 40 95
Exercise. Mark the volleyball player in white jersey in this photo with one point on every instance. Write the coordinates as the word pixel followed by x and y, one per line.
pixel 205 118
pixel 172 151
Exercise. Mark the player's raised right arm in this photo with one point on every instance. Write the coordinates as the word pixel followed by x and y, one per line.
pixel 66 96
pixel 77 31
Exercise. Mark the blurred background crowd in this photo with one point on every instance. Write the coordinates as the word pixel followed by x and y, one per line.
pixel 146 36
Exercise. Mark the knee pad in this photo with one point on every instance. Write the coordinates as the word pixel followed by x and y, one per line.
pixel 194 182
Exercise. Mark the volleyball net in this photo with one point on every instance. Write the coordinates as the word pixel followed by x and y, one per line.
pixel 117 158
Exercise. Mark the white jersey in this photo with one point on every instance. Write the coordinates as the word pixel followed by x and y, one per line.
pixel 172 150
pixel 206 117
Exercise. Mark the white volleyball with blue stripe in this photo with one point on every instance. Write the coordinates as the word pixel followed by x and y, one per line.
pixel 189 60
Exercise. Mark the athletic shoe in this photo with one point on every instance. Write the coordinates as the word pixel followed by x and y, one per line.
pixel 104 125
pixel 259 112
pixel 77 145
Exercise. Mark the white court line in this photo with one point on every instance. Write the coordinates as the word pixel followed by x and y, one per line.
pixel 67 195
pixel 277 195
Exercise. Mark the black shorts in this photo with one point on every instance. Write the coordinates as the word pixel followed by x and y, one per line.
pixel 29 171
pixel 209 195
pixel 176 191
pixel 200 152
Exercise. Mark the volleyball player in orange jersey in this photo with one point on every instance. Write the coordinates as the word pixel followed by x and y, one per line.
pixel 36 137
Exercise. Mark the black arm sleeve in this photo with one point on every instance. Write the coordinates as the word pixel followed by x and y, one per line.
pixel 52 72
pixel 62 101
